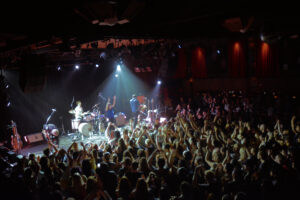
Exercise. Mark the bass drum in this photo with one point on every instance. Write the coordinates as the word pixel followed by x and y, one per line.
pixel 85 129
pixel 75 124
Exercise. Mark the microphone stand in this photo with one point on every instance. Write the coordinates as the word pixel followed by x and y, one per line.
pixel 50 116
pixel 62 125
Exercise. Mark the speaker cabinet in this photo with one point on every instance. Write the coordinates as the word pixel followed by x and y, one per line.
pixel 33 138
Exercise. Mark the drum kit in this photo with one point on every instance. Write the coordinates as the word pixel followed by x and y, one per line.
pixel 89 123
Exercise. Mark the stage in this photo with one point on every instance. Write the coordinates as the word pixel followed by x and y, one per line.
pixel 64 142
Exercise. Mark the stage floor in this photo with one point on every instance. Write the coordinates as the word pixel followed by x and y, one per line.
pixel 64 142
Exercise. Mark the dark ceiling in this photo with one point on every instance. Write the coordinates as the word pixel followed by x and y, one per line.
pixel 24 23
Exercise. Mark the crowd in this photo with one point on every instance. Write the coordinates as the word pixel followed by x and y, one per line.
pixel 224 145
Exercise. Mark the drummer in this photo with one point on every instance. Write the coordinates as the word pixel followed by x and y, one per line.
pixel 109 110
pixel 78 110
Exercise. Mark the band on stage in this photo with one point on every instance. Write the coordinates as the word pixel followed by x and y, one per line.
pixel 94 121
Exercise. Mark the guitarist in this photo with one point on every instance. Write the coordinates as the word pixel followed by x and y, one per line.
pixel 16 141
pixel 135 105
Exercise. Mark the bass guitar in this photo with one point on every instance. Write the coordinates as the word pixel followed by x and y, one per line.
pixel 16 141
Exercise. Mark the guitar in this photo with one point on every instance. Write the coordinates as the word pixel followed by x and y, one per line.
pixel 16 141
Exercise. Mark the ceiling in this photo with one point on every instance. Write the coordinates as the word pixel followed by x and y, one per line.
pixel 24 24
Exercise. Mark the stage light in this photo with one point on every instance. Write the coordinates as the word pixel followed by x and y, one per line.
pixel 158 82
pixel 179 46
pixel 58 68
pixel 218 51
pixel 8 104
pixel 76 66
pixel 116 75
pixel 7 86
pixel 262 37
pixel 102 55
pixel 118 68
pixel 96 65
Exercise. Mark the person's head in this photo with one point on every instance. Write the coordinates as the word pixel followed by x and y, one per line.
pixel 134 96
pixel 125 132
pixel 135 165
pixel 132 142
pixel 32 156
pixel 262 155
pixel 143 165
pixel 124 187
pixel 240 196
pixel 44 162
pixel 106 156
pixel 228 167
pixel 253 151
pixel 121 144
pixel 141 153
pixel 78 103
pixel 161 163
pixel 209 176
pixel 86 166
pixel 187 155
pixel 147 142
pixel 141 188
pixel 237 174
pixel 226 197
pixel 46 152
pixel 185 188
pixel 91 184
pixel 77 180
pixel 127 162
pixel 117 134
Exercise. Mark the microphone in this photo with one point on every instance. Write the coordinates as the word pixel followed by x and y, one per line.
pixel 53 109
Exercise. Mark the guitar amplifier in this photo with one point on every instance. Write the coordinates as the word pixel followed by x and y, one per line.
pixel 34 137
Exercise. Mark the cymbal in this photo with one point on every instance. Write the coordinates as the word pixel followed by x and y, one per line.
pixel 96 105
pixel 86 113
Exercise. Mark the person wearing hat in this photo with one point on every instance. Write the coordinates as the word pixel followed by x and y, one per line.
pixel 134 104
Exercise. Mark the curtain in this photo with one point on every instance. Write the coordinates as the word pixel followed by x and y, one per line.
pixel 267 64
pixel 236 60
pixel 198 63
pixel 181 71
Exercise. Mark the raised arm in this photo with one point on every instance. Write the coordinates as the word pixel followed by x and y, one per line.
pixel 142 133
pixel 293 124
pixel 70 147
pixel 209 162
pixel 53 146
pixel 114 102
pixel 149 161
pixel 108 102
